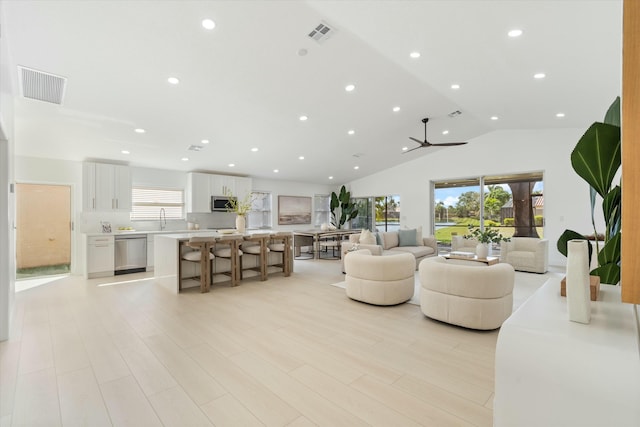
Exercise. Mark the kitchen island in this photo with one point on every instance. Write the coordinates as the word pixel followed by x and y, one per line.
pixel 172 273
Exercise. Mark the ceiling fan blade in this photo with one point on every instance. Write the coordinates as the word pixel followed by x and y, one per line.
pixel 405 152
pixel 448 144
pixel 418 141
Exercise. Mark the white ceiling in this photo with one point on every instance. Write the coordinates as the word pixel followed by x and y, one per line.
pixel 243 84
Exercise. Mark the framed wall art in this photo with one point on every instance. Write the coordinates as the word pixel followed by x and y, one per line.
pixel 294 210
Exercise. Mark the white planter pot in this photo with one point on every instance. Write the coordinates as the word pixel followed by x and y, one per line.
pixel 240 224
pixel 482 250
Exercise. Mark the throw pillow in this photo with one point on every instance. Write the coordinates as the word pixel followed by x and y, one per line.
pixel 378 239
pixel 389 240
pixel 407 237
pixel 367 238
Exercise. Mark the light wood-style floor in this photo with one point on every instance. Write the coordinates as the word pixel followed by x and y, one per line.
pixel 285 352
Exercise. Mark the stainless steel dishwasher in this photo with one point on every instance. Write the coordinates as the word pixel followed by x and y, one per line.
pixel 131 253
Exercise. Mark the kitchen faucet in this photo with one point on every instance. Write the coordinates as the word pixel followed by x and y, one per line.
pixel 163 214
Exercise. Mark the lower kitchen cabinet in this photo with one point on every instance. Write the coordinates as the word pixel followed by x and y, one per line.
pixel 100 260
pixel 149 252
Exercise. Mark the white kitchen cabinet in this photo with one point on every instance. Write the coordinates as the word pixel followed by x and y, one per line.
pixel 100 260
pixel 222 185
pixel 106 187
pixel 150 252
pixel 198 192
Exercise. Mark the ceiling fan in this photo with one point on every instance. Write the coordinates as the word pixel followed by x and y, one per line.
pixel 425 143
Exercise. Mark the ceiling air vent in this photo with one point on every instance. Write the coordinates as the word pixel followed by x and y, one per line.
pixel 454 113
pixel 195 147
pixel 322 32
pixel 41 86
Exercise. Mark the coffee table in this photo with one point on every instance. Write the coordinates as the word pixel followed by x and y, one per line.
pixel 490 260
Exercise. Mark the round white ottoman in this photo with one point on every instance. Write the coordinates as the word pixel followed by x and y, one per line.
pixel 379 280
pixel 466 293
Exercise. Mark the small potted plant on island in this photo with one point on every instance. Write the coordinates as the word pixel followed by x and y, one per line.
pixel 485 238
pixel 240 208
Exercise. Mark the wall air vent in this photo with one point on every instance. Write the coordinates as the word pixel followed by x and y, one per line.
pixel 322 32
pixel 41 86
pixel 195 147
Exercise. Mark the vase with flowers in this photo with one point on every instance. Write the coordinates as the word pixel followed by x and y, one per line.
pixel 485 239
pixel 241 208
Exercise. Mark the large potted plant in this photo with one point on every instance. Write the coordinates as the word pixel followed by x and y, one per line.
pixel 596 159
pixel 485 238
pixel 348 210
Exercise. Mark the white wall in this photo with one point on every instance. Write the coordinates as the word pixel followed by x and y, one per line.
pixel 566 196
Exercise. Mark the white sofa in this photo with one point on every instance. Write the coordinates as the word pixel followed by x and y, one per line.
pixel 425 246
pixel 529 254
pixel 379 280
pixel 466 293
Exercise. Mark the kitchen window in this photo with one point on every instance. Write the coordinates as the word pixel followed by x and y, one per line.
pixel 147 202
pixel 259 216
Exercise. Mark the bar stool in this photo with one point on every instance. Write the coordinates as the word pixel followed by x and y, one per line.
pixel 228 247
pixel 201 254
pixel 256 245
pixel 281 242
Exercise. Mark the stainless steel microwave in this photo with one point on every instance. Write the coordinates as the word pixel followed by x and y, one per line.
pixel 221 203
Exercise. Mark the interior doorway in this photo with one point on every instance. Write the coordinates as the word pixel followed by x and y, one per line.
pixel 43 230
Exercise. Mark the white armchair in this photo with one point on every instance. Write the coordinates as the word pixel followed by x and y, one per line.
pixel 459 243
pixel 529 254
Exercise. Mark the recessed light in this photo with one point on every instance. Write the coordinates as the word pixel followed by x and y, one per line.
pixel 330 177
pixel 356 167
pixel 516 32
pixel 173 80
pixel 303 118
pixel 302 52
pixel 139 130
pixel 301 158
pixel 405 148
pixel 396 109
pixel 185 159
pixel 349 88
pixel 205 141
pixel 415 55
pixel 455 86
pixel 125 152
pixel 232 165
pixel 560 115
pixel 276 171
pixel 208 24
pixel 539 76
pixel 254 149
pixel 444 132
pixel 351 132
pixel 494 117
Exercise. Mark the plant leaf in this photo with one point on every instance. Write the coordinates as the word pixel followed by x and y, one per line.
pixel 612 116
pixel 596 157
pixel 571 235
pixel 610 253
pixel 609 273
pixel 612 210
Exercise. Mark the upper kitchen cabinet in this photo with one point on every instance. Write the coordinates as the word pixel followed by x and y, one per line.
pixel 106 187
pixel 201 186
pixel 221 185
pixel 198 192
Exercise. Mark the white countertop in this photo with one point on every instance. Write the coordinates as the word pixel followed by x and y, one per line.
pixel 127 232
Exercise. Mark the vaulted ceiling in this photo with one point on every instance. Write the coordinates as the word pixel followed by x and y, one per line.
pixel 245 84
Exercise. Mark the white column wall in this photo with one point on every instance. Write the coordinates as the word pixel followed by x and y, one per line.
pixel 566 195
